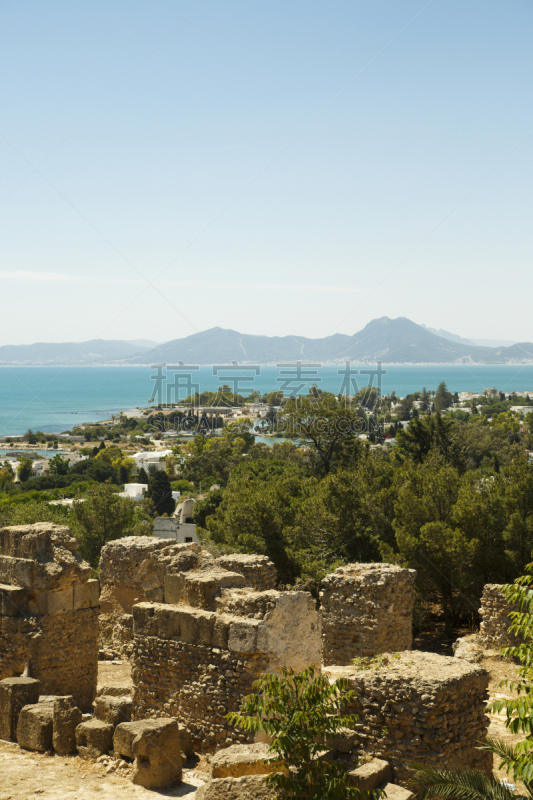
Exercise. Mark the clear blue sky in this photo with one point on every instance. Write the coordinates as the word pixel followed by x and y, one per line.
pixel 275 167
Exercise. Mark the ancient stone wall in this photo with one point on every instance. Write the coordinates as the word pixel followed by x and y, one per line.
pixel 259 573
pixel 49 611
pixel 198 664
pixel 495 619
pixel 144 568
pixel 420 707
pixel 366 609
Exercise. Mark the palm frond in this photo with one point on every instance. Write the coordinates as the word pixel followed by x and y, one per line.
pixel 458 784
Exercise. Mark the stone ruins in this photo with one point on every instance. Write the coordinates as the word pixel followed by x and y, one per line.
pixel 495 619
pixel 366 609
pixel 198 630
pixel 49 612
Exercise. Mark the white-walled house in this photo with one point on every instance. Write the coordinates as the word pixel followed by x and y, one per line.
pixel 135 491
pixel 149 458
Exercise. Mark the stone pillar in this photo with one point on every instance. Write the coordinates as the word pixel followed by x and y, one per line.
pixel 48 612
pixel 366 609
pixel 495 619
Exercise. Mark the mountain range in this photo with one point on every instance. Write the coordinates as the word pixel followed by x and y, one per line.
pixel 389 340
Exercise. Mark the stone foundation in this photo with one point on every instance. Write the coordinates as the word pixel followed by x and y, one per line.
pixel 420 707
pixel 366 609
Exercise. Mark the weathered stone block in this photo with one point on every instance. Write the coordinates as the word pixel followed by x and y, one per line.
pixel 113 710
pixel 221 631
pixel 168 622
pixel 144 619
pixel 15 693
pixel 343 741
pixel 35 725
pixel 244 759
pixel 371 775
pixel 157 755
pixel 17 571
pixel 94 738
pixel 61 601
pixel 394 792
pixel 245 788
pixel 13 601
pixel 86 595
pixel 242 636
pixel 67 717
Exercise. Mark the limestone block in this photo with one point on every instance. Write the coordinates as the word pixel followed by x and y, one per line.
pixel 94 738
pixel 61 600
pixel 15 693
pixel 245 788
pixel 168 622
pixel 17 571
pixel 144 619
pixel 113 710
pixel 174 587
pixel 157 755
pixel 197 626
pixel 67 717
pixel 371 775
pixel 116 691
pixel 291 632
pixel 35 725
pixel 86 595
pixel 221 631
pixel 13 601
pixel 468 649
pixel 343 741
pixel 394 792
pixel 126 733
pixel 242 636
pixel 244 759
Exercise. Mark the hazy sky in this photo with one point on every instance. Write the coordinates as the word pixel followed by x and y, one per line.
pixel 276 167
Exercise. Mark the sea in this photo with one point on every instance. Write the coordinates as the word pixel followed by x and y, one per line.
pixel 54 399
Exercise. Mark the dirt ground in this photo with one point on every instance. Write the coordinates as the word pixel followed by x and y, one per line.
pixel 26 775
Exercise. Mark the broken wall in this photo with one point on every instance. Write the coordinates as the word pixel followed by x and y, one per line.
pixel 366 609
pixel 49 611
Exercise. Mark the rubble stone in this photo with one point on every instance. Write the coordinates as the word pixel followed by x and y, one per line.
pixel 94 738
pixel 67 717
pixel 244 759
pixel 15 693
pixel 156 750
pixel 366 609
pixel 371 775
pixel 113 710
pixel 244 788
pixel 35 726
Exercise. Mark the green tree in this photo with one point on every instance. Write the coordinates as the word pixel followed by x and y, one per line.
pixel 24 469
pixel 300 711
pixel 58 465
pixel 100 518
pixel 6 475
pixel 142 477
pixel 443 398
pixel 328 428
pixel 160 493
pixel 433 434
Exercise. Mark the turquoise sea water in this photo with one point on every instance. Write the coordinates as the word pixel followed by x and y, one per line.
pixel 56 398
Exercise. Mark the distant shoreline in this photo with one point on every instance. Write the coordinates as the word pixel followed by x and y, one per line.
pixel 275 364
